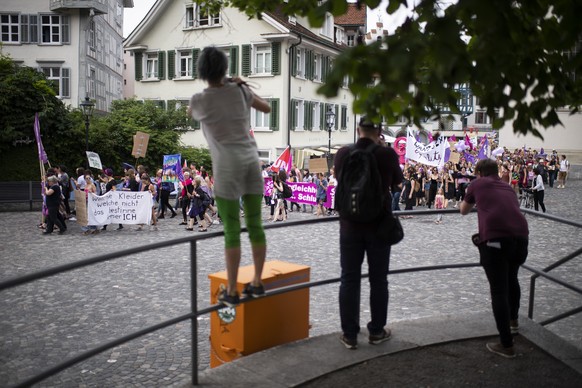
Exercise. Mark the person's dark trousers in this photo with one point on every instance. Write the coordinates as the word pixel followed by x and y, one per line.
pixel 54 218
pixel 552 177
pixel 501 266
pixel 165 202
pixel 185 204
pixel 396 200
pixel 66 194
pixel 539 200
pixel 353 244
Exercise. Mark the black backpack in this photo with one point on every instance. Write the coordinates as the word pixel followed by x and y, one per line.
pixel 359 196
pixel 287 192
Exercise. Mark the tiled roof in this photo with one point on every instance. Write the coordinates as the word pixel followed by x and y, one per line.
pixel 353 16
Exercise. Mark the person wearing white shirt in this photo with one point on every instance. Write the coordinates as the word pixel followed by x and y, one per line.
pixel 538 190
pixel 563 173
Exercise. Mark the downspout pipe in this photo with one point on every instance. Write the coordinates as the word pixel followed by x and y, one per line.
pixel 289 107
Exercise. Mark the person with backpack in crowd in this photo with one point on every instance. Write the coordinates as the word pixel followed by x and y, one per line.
pixel 166 187
pixel 321 193
pixel 380 170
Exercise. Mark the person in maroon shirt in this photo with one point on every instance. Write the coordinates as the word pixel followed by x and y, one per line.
pixel 357 239
pixel 503 247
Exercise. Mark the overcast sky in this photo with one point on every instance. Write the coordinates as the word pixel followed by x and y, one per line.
pixel 132 16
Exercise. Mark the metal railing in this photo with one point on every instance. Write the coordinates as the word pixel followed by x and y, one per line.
pixel 195 312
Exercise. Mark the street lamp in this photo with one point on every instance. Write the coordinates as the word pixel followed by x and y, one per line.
pixel 87 107
pixel 330 122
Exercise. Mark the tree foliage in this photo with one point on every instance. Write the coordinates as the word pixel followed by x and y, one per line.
pixel 25 92
pixel 112 135
pixel 516 56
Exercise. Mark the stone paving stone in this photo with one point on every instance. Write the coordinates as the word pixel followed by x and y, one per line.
pixel 45 322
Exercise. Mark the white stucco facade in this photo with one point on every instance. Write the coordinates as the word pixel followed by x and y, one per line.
pixel 165 42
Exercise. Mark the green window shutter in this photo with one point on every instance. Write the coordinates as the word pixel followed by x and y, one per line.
pixel 309 115
pixel 336 111
pixel 322 110
pixel 161 65
pixel 65 29
pixel 66 82
pixel 233 61
pixel 171 64
pixel 33 31
pixel 276 58
pixel 246 60
pixel 293 114
pixel 306 124
pixel 274 115
pixel 196 124
pixel 344 117
pixel 195 54
pixel 309 65
pixel 138 66
pixel 292 54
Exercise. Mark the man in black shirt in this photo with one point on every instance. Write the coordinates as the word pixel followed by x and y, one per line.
pixel 359 238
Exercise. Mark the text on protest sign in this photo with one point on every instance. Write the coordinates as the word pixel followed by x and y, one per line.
pixel 120 207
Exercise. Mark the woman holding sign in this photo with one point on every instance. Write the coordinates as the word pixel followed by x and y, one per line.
pixel 224 111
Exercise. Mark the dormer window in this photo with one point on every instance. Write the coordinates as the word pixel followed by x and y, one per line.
pixel 198 16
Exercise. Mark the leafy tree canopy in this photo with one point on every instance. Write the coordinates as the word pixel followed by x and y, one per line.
pixel 516 56
pixel 112 135
pixel 25 92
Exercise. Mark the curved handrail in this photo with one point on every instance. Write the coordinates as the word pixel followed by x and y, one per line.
pixel 192 240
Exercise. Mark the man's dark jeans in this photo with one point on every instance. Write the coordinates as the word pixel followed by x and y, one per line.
pixel 396 200
pixel 501 266
pixel 353 244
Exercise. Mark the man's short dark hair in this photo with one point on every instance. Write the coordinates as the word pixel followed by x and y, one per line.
pixel 486 167
pixel 367 126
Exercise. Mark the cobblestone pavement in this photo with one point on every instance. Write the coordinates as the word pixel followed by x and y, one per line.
pixel 47 321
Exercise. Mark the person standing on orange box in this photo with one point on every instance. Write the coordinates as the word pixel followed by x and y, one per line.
pixel 224 111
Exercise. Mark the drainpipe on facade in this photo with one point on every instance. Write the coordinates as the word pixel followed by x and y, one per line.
pixel 289 107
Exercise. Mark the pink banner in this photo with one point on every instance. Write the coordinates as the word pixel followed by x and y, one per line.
pixel 303 192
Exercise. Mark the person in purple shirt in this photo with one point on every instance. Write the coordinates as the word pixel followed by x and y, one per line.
pixel 503 247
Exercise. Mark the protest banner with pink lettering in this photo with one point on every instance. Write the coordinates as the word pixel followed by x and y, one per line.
pixel 303 192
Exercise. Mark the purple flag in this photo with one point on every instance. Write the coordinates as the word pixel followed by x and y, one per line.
pixel 41 152
pixel 484 150
pixel 179 171
pixel 454 138
pixel 468 157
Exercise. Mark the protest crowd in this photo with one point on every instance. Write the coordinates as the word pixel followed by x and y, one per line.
pixel 177 189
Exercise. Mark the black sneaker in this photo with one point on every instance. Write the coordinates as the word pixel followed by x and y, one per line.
pixel 351 344
pixel 251 291
pixel 228 300
pixel 501 350
pixel 379 338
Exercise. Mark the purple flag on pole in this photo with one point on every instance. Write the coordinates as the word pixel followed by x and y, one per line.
pixel 453 138
pixel 468 157
pixel 41 152
pixel 484 150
